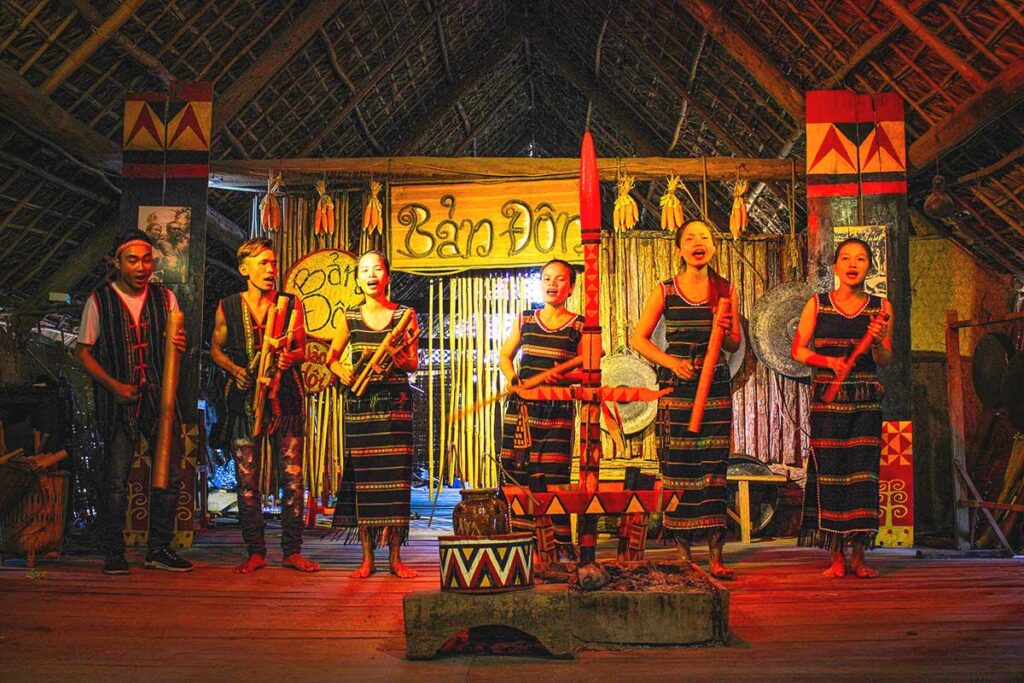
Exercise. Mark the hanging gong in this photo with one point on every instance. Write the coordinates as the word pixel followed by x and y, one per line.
pixel 733 359
pixel 773 327
pixel 626 370
pixel 988 367
pixel 1013 391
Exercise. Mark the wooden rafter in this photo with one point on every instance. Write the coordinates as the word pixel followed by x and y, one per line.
pixel 925 35
pixel 877 39
pixel 298 33
pixel 147 61
pixel 409 41
pixel 592 89
pixel 88 47
pixel 68 275
pixel 747 54
pixel 37 112
pixel 496 110
pixel 1003 92
pixel 441 102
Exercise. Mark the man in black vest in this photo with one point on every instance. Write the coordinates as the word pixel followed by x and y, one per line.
pixel 239 329
pixel 120 345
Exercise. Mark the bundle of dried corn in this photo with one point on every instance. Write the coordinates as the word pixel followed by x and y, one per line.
pixel 671 207
pixel 625 214
pixel 738 217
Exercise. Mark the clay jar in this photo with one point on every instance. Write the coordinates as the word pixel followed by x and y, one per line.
pixel 480 513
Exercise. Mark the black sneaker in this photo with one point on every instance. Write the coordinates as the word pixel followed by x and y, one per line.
pixel 167 560
pixel 116 564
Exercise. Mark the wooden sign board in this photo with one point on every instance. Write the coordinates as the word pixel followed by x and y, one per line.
pixel 455 227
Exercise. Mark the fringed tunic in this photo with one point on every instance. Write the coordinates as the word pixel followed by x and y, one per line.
pixel 841 496
pixel 245 340
pixel 550 425
pixel 693 464
pixel 376 484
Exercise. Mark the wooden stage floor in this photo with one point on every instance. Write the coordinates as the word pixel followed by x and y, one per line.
pixel 934 619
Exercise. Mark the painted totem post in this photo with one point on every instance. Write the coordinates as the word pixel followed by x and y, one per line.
pixel 165 177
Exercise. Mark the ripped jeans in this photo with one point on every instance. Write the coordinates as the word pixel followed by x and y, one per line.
pixel 288 452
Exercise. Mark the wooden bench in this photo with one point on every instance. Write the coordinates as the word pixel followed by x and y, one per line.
pixel 742 514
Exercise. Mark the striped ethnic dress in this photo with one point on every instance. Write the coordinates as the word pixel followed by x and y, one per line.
pixel 551 424
pixel 841 496
pixel 695 464
pixel 377 478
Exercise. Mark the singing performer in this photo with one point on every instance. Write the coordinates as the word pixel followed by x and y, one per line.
pixel 841 495
pixel 693 464
pixel 238 332
pixel 121 346
pixel 374 496
pixel 541 454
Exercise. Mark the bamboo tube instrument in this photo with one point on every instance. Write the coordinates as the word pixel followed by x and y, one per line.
pixel 862 347
pixel 168 392
pixel 707 370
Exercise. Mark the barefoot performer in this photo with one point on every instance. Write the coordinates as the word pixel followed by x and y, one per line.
pixel 841 496
pixel 121 346
pixel 376 483
pixel 694 464
pixel 240 327
pixel 541 453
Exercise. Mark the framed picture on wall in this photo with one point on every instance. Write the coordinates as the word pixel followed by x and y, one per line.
pixel 170 228
pixel 876 237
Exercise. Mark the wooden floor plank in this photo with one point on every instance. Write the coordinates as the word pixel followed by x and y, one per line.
pixel 933 619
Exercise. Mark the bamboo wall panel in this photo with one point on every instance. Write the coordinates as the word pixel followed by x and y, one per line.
pixel 323 448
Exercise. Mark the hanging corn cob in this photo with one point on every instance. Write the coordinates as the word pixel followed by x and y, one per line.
pixel 270 205
pixel 738 217
pixel 625 213
pixel 372 220
pixel 671 207
pixel 324 219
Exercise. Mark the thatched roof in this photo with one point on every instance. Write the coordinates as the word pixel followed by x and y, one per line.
pixel 489 78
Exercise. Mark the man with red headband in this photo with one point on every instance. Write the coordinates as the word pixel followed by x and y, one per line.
pixel 120 345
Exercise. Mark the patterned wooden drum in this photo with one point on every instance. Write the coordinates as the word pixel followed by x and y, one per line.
pixel 486 564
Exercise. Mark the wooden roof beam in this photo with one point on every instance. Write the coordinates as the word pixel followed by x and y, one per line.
pixel 1002 93
pixel 877 39
pixel 28 107
pixel 252 173
pixel 299 32
pixel 147 61
pixel 925 35
pixel 90 45
pixel 749 55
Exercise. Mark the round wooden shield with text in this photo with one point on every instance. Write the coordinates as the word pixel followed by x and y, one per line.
pixel 325 281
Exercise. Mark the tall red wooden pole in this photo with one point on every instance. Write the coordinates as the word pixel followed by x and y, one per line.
pixel 590 411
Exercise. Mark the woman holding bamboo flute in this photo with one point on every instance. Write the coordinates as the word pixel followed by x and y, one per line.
pixel 841 496
pixel 695 464
pixel 537 436
pixel 376 485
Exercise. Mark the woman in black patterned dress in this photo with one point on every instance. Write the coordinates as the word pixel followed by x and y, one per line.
pixel 377 479
pixel 693 464
pixel 546 337
pixel 841 495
